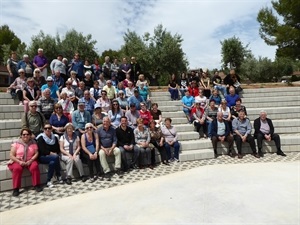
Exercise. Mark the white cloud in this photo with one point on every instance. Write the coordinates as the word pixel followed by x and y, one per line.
pixel 201 23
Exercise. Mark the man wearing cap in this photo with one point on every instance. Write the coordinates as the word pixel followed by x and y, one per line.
pixel 12 68
pixel 52 87
pixel 110 90
pixel 132 115
pixel 136 99
pixel 80 117
pixel 108 143
pixel 26 65
pixel 41 62
pixel 264 130
pixel 33 120
pixel 241 127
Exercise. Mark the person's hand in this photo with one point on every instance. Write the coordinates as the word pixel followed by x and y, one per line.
pixel 22 163
pixel 91 156
pixel 244 138
pixel 161 143
pixel 28 162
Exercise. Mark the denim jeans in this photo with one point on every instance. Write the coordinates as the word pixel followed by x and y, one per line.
pixel 176 147
pixel 174 93
pixel 222 89
pixel 53 165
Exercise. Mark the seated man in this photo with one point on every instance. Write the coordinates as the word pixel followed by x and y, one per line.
pixel 241 127
pixel 108 143
pixel 46 104
pixel 187 104
pixel 264 129
pixel 232 97
pixel 220 131
pixel 54 90
pixel 126 144
pixel 132 115
pixel 33 120
pixel 136 99
pixel 80 118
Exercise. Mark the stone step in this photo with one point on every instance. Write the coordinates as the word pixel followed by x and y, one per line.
pixel 196 155
pixel 294 99
pixel 190 135
pixel 289 143
pixel 11 112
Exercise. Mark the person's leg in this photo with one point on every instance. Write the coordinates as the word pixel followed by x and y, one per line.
pixel 214 141
pixel 123 158
pixel 117 154
pixel 229 139
pixel 208 124
pixel 168 149
pixel 276 139
pixel 103 161
pixel 20 95
pixel 259 140
pixel 176 147
pixel 136 155
pixel 89 164
pixel 79 166
pixel 17 171
pixel 69 165
pixel 51 160
pixel 238 143
pixel 35 173
pixel 97 166
pixel 148 156
pixel 250 140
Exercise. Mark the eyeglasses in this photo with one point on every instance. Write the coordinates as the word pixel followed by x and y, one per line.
pixel 115 104
pixel 89 128
pixel 47 128
pixel 26 134
pixel 33 106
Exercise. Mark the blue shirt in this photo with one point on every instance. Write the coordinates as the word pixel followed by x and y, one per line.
pixel 231 100
pixel 59 82
pixel 136 101
pixel 188 100
pixel 53 90
pixel 80 121
pixel 89 105
pixel 107 137
pixel 143 92
pixel 58 123
pixel 78 67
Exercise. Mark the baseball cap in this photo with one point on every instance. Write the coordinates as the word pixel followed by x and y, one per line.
pixel 49 78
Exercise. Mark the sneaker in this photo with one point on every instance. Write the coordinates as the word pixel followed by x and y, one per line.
pixel 60 180
pixel 50 184
pixel 16 192
pixel 38 188
pixel 176 160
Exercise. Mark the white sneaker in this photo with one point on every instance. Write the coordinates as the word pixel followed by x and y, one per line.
pixel 60 180
pixel 176 160
pixel 50 184
pixel 20 103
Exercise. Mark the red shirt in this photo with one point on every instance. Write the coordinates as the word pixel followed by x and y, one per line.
pixel 194 91
pixel 146 116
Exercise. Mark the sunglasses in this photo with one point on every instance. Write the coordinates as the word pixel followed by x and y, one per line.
pixel 115 104
pixel 47 128
pixel 26 134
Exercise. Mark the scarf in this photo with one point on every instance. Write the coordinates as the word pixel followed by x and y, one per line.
pixel 74 136
pixel 49 141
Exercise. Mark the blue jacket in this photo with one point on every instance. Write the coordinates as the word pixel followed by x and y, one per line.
pixel 214 128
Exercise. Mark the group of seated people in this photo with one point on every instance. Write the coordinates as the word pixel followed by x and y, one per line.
pixel 224 118
pixel 81 141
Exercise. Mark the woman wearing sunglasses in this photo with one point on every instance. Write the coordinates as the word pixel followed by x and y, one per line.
pixel 24 154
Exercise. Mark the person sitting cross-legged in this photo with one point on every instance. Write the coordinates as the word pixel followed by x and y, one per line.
pixel 241 127
pixel 220 131
pixel 264 129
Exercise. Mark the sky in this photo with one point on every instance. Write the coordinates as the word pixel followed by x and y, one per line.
pixel 201 23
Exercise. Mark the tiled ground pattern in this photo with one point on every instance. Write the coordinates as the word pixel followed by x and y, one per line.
pixel 31 197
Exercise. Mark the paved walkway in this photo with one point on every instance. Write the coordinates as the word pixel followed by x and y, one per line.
pixel 232 191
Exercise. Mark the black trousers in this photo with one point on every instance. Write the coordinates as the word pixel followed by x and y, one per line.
pixel 198 126
pixel 274 137
pixel 162 152
pixel 228 139
pixel 86 159
pixel 249 139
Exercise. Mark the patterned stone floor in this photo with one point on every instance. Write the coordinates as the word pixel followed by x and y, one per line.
pixel 30 197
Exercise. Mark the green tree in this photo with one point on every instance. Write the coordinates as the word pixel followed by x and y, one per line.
pixel 234 53
pixel 9 42
pixel 161 52
pixel 112 55
pixel 280 26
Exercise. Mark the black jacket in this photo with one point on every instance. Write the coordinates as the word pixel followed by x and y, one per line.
pixel 257 126
pixel 214 128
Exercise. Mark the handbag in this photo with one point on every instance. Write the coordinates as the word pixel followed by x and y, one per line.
pixel 91 149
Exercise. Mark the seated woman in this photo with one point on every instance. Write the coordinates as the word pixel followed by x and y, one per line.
pixel 24 154
pixel 38 78
pixel 120 87
pixel 104 102
pixel 58 120
pixel 144 92
pixel 145 114
pixel 199 118
pixel 69 144
pixel 129 90
pixel 156 114
pixel 97 117
pixel 73 80
pixel 90 150
pixel 17 87
pixel 142 140
pixel 95 91
pixel 157 140
pixel 226 113
pixel 66 105
pixel 49 152
pixel 211 114
pixel 193 89
pixel 171 140
pixel 237 108
pixel 115 114
pixel 122 100
pixel 141 80
pixel 205 83
pixel 201 98
pixel 31 92
pixel 173 87
pixel 183 84
pixel 69 91
pixel 187 104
